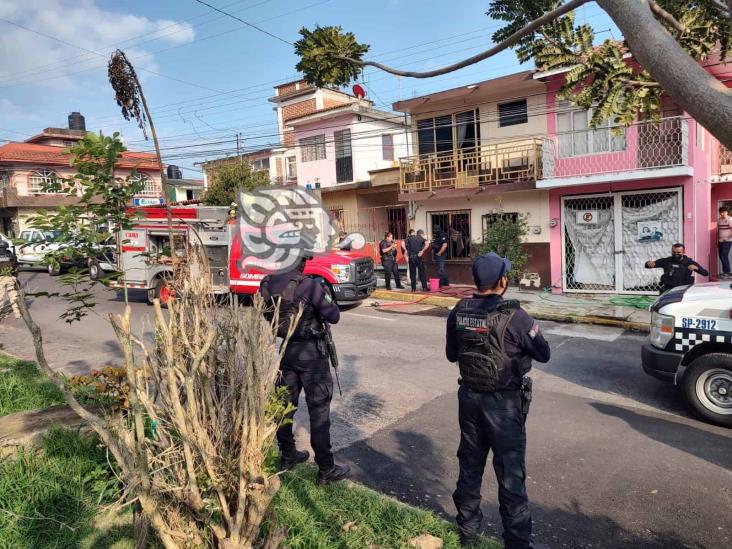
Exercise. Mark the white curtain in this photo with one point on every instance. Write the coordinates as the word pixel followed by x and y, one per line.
pixel 594 247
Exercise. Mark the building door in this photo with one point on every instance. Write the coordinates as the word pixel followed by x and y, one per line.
pixel 344 156
pixel 608 238
pixel 714 242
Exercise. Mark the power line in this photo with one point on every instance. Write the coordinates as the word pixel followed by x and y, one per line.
pixel 255 27
pixel 99 54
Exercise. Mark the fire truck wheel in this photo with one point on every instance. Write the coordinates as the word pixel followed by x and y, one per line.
pixel 163 291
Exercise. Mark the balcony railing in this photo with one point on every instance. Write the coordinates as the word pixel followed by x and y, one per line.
pixel 490 164
pixel 641 146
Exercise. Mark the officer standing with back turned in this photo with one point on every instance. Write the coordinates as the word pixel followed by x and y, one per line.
pixel 305 365
pixel 493 341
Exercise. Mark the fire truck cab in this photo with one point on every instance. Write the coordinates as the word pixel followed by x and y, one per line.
pixel 144 256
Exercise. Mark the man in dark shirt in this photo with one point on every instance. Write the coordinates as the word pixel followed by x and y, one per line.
pixel 305 366
pixel 678 270
pixel 388 250
pixel 416 246
pixel 440 244
pixel 493 341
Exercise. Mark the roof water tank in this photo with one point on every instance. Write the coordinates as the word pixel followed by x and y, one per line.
pixel 174 172
pixel 77 122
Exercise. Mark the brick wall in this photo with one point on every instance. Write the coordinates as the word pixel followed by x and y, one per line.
pixel 330 102
pixel 288 139
pixel 298 109
pixel 284 89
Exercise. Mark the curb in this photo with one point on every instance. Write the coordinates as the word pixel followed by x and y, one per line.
pixel 448 302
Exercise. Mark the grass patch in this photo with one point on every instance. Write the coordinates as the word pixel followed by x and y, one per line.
pixel 314 517
pixel 52 496
pixel 23 387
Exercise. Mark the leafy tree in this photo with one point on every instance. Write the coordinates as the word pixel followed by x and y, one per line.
pixel 504 236
pixel 103 199
pixel 667 38
pixel 231 178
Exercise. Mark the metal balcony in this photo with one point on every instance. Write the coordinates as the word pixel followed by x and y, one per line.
pixel 489 164
pixel 641 148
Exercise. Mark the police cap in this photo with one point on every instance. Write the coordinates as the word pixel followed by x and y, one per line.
pixel 489 268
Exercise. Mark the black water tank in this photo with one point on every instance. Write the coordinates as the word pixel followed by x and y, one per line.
pixel 174 172
pixel 77 122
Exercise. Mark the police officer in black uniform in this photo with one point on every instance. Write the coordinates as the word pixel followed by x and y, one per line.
pixel 440 245
pixel 493 341
pixel 678 270
pixel 416 246
pixel 8 260
pixel 305 364
pixel 387 248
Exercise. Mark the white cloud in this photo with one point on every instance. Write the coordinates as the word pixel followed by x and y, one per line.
pixel 26 57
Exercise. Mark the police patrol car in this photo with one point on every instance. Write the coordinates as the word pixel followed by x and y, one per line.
pixel 691 344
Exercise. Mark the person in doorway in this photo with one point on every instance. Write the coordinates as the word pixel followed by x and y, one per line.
pixel 493 341
pixel 388 250
pixel 440 243
pixel 416 246
pixel 724 240
pixel 678 270
pixel 405 254
pixel 305 365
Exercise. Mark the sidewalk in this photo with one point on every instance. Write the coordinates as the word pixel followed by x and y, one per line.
pixel 627 312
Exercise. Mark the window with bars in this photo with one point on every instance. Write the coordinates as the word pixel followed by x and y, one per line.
pixel 344 156
pixel 4 179
pixel 576 138
pixel 312 148
pixel 489 219
pixel 513 113
pixel 148 185
pixel 387 146
pixel 39 180
pixel 456 224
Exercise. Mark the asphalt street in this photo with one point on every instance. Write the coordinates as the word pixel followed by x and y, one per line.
pixel 614 458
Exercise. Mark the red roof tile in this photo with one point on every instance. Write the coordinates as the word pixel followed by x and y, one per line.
pixel 29 153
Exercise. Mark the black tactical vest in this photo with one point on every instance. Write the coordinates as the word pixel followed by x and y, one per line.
pixel 289 309
pixel 484 364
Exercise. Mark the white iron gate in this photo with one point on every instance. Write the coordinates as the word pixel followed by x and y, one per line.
pixel 607 238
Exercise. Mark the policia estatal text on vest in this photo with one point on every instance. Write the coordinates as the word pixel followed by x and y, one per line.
pixel 493 341
pixel 305 364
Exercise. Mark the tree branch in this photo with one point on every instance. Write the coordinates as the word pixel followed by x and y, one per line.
pixel 663 15
pixel 507 43
pixel 641 84
pixel 696 91
pixel 725 8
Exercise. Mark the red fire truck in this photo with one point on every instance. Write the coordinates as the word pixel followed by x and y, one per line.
pixel 350 274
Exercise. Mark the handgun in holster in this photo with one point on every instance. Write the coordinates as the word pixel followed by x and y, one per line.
pixel 526 394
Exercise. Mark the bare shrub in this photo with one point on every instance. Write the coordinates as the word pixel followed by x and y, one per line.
pixel 195 443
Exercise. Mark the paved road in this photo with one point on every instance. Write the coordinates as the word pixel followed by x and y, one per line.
pixel 614 459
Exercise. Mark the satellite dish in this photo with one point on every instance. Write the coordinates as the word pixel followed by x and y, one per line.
pixel 358 91
pixel 357 241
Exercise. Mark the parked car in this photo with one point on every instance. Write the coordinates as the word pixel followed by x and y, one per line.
pixel 690 344
pixel 34 246
pixel 105 260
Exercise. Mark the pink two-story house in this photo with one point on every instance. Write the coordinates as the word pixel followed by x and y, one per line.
pixel 621 196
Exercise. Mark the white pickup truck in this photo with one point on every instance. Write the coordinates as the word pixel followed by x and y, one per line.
pixel 691 344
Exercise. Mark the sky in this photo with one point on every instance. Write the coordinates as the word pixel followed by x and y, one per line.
pixel 207 76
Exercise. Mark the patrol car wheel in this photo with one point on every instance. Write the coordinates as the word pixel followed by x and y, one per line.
pixel 708 387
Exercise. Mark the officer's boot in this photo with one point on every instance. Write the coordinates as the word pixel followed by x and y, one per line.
pixel 288 462
pixel 338 472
